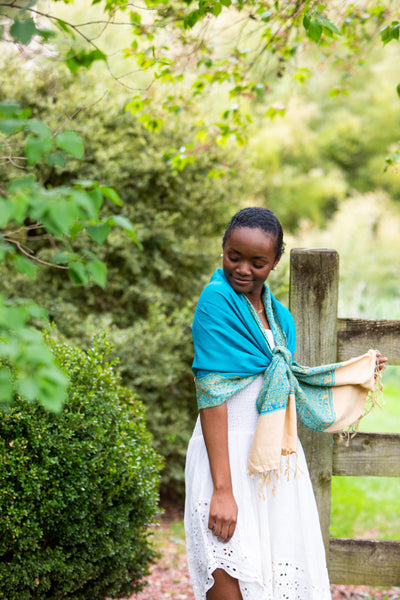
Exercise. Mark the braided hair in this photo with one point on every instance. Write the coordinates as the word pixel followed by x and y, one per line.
pixel 255 217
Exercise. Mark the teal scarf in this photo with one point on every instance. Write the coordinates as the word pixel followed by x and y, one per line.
pixel 232 349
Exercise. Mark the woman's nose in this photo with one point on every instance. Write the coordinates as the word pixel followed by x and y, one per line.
pixel 243 268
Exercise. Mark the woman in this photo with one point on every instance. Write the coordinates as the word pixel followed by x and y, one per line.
pixel 251 521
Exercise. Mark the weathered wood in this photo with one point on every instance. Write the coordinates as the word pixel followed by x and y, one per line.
pixel 368 454
pixel 364 562
pixel 356 336
pixel 322 338
pixel 313 296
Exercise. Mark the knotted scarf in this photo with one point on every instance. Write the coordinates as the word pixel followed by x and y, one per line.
pixel 232 349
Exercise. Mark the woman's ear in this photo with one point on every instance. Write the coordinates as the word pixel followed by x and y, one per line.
pixel 276 263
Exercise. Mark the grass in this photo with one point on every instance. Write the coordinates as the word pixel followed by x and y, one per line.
pixel 369 507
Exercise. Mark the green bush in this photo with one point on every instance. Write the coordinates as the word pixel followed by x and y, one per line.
pixel 78 489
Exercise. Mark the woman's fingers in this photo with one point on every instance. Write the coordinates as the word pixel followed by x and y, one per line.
pixel 223 516
pixel 223 529
pixel 381 361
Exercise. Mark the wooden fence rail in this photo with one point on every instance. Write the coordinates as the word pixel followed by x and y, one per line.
pixel 323 338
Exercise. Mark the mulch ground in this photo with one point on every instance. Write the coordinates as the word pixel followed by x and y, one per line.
pixel 169 578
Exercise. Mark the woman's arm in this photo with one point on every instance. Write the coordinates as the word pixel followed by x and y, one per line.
pixel 223 508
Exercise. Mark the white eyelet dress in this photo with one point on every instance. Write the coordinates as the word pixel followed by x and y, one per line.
pixel 276 552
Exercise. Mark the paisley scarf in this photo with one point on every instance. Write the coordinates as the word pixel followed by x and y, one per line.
pixel 232 349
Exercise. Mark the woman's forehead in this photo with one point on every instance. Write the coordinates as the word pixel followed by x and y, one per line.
pixel 249 240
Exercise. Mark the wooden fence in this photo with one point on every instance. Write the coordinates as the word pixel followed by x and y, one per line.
pixel 323 338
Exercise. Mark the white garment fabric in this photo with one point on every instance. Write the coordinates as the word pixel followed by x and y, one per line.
pixel 276 552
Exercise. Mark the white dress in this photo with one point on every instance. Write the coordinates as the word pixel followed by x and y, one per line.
pixel 276 552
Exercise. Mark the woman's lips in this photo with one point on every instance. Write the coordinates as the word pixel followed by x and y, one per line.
pixel 241 281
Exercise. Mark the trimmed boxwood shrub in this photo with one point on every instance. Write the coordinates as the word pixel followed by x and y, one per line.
pixel 78 490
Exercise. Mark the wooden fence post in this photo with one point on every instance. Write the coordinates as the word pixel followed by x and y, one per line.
pixel 313 299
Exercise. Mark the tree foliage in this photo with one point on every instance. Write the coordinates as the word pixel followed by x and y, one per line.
pixel 148 302
pixel 178 46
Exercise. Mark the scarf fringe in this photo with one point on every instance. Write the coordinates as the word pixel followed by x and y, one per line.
pixel 374 399
pixel 268 480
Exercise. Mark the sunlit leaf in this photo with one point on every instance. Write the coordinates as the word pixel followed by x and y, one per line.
pixel 25 266
pixel 36 147
pixel 98 272
pixel 111 194
pixel 78 273
pixel 71 142
pixel 99 233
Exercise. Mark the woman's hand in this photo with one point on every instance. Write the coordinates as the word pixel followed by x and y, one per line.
pixel 381 361
pixel 223 508
pixel 223 515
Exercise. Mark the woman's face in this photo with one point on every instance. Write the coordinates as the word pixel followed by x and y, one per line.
pixel 249 255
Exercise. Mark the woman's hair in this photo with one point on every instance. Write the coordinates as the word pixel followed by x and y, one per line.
pixel 256 217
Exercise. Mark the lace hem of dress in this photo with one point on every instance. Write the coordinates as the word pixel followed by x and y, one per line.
pixel 287 581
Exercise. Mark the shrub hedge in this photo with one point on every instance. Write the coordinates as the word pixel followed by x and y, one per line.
pixel 78 489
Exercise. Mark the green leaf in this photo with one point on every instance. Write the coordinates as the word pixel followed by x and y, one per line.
pixel 23 30
pixel 53 389
pixel 395 30
pixel 27 6
pixel 37 312
pixel 46 34
pixel 96 199
pixel 78 273
pixel 10 109
pixel 6 211
pixel 75 229
pixel 398 90
pixel 314 31
pixel 6 386
pixel 71 142
pixel 98 272
pixel 111 194
pixel 28 388
pixel 56 159
pixel 123 222
pixel 63 214
pixel 386 34
pixel 191 19
pixel 62 258
pixel 327 23
pixel 99 233
pixel 75 60
pixel 36 148
pixel 39 128
pixel 62 25
pixel 216 9
pixel 25 266
pixel 306 21
pixel 27 182
pixel 127 226
pixel 10 126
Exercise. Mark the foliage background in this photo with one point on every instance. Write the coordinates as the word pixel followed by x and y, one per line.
pixel 317 159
